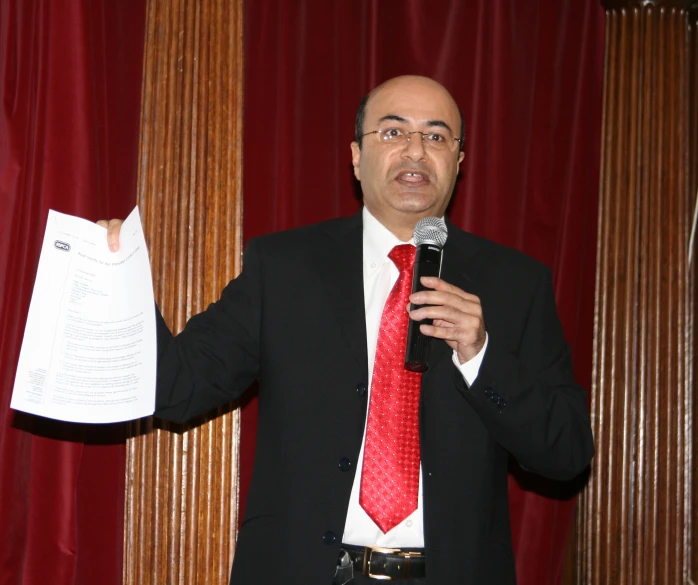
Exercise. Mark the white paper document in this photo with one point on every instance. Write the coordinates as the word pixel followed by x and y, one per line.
pixel 89 348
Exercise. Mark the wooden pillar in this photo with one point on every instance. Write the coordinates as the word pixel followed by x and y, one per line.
pixel 181 500
pixel 693 189
pixel 635 522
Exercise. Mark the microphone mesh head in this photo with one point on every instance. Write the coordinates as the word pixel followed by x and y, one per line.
pixel 430 230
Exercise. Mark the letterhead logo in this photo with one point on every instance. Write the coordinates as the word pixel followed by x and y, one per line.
pixel 62 245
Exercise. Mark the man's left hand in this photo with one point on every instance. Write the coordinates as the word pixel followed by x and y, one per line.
pixel 457 317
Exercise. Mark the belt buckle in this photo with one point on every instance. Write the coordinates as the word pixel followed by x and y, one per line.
pixel 368 556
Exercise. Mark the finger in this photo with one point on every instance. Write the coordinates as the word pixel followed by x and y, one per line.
pixel 442 323
pixel 466 343
pixel 113 231
pixel 471 305
pixel 452 334
pixel 451 315
pixel 445 333
pixel 460 335
pixel 439 284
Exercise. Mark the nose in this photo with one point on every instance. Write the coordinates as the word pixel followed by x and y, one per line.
pixel 415 148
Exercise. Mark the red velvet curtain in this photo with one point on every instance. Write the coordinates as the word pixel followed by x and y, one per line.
pixel 70 79
pixel 528 79
pixel 527 76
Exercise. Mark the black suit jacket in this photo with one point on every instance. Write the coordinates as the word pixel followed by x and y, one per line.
pixel 294 320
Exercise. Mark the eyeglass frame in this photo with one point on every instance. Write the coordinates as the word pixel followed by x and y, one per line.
pixel 408 135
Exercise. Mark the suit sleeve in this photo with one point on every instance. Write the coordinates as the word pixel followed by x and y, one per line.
pixel 529 400
pixel 216 356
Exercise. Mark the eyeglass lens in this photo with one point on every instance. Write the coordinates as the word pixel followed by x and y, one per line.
pixel 440 140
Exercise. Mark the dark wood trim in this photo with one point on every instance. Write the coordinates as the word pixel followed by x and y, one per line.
pixel 632 4
pixel 182 484
pixel 635 521
pixel 693 191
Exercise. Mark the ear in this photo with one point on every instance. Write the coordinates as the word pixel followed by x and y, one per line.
pixel 461 156
pixel 356 159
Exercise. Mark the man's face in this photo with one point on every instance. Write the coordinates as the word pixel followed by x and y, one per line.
pixel 404 182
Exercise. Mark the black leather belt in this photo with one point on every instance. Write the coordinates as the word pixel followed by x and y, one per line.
pixel 386 564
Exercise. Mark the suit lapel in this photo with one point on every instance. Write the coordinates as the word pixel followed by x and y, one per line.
pixel 341 271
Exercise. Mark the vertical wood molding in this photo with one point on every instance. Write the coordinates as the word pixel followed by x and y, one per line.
pixel 181 488
pixel 693 191
pixel 635 518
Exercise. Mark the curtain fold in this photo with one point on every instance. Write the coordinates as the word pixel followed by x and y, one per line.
pixel 70 78
pixel 528 79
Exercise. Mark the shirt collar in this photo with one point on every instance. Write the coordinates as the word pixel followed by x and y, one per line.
pixel 378 240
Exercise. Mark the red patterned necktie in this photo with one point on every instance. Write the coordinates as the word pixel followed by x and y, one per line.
pixel 390 476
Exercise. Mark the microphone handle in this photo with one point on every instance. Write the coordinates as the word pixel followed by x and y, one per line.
pixel 427 263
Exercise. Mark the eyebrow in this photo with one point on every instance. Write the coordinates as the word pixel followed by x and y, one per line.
pixel 396 118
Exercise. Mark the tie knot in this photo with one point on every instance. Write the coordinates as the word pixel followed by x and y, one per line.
pixel 403 257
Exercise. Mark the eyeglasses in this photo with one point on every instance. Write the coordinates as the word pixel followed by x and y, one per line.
pixel 443 140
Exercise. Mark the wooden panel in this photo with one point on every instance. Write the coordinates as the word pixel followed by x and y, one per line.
pixel 634 519
pixel 619 5
pixel 181 500
pixel 693 189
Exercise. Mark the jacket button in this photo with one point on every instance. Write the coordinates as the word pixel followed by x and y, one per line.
pixel 344 464
pixel 361 389
pixel 329 537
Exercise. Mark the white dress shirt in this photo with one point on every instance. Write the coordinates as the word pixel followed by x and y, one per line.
pixel 380 275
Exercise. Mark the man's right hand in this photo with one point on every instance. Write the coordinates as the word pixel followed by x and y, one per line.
pixel 113 228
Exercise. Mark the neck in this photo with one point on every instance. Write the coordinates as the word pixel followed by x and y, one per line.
pixel 402 226
pixel 402 230
pixel 404 234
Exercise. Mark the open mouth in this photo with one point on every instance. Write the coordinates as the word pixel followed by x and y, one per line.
pixel 412 178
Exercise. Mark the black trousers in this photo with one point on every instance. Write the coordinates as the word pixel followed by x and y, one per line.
pixel 359 579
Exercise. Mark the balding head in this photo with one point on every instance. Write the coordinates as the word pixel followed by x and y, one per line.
pixel 405 83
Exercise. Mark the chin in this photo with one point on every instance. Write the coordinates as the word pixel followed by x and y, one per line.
pixel 417 206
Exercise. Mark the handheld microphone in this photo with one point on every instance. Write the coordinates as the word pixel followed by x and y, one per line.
pixel 430 235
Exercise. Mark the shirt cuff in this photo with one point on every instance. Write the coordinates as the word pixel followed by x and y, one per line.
pixel 470 369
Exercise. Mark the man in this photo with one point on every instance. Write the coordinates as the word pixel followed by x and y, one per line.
pixel 318 317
